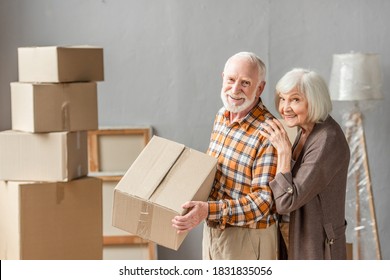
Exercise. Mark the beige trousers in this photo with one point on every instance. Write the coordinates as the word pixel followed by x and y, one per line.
pixel 238 243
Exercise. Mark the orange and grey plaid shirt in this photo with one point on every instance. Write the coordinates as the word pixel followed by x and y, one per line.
pixel 247 161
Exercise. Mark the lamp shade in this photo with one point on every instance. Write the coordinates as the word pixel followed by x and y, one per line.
pixel 355 76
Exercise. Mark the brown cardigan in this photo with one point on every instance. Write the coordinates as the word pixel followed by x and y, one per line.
pixel 314 195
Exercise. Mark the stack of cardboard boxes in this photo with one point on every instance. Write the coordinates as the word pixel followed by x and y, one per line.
pixel 49 207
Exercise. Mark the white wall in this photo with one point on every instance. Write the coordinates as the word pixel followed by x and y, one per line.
pixel 164 58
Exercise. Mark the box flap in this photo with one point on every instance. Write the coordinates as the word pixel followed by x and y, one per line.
pixel 150 167
pixel 184 179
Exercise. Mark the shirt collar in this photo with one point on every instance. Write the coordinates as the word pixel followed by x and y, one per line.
pixel 249 118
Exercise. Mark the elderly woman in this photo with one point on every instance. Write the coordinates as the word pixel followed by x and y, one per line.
pixel 310 183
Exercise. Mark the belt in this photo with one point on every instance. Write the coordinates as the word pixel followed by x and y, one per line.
pixel 213 224
pixel 217 225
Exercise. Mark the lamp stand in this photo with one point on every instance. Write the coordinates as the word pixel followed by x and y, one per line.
pixel 360 169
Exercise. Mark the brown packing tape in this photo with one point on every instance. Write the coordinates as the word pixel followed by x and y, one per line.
pixel 145 220
pixel 78 140
pixel 79 167
pixel 79 170
pixel 65 116
pixel 60 193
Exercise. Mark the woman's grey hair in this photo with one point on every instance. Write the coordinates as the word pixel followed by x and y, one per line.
pixel 254 59
pixel 312 86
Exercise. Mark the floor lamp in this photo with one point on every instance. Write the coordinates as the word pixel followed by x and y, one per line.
pixel 357 77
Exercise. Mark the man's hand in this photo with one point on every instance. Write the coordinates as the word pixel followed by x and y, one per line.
pixel 197 212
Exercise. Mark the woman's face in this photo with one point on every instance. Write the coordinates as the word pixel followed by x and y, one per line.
pixel 293 107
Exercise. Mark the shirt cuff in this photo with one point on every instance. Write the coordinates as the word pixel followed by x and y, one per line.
pixel 218 213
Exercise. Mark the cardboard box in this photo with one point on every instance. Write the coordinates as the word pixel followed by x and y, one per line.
pixel 58 220
pixel 164 176
pixel 54 64
pixel 52 107
pixel 56 156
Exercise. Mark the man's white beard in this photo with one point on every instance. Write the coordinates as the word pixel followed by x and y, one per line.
pixel 236 108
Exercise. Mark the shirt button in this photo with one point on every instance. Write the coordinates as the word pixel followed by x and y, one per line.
pixel 289 190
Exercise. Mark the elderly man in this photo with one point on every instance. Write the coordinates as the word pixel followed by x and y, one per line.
pixel 240 212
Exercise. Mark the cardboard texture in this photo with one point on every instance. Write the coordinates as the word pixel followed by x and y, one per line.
pixel 51 221
pixel 54 64
pixel 54 107
pixel 56 156
pixel 164 176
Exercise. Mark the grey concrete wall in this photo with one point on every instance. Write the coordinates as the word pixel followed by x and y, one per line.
pixel 164 58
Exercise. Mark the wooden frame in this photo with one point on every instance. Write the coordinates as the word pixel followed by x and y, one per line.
pixel 94 150
pixel 95 164
pixel 131 240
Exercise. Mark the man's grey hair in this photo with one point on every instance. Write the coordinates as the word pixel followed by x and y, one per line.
pixel 254 59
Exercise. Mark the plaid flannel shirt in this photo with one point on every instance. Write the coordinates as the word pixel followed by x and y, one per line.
pixel 247 161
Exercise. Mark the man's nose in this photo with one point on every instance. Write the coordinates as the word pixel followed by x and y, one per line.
pixel 236 87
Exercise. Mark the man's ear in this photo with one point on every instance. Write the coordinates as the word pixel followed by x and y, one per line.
pixel 260 88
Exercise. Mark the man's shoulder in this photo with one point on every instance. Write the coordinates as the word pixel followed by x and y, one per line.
pixel 267 113
pixel 262 113
pixel 221 111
